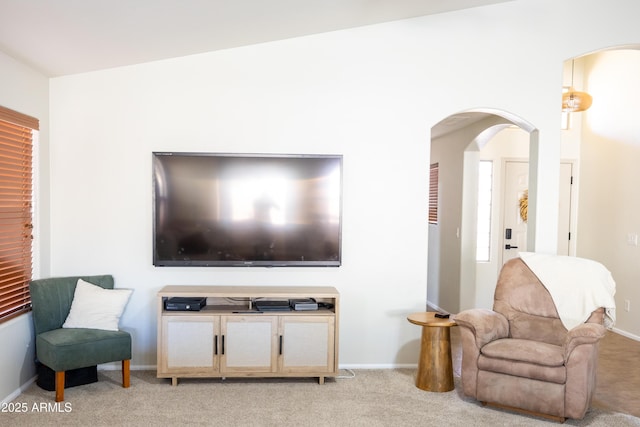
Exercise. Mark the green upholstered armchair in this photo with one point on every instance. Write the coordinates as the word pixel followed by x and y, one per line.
pixel 63 349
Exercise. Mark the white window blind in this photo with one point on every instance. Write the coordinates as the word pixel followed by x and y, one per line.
pixel 433 193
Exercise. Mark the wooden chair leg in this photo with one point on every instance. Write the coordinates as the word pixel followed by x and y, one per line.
pixel 125 373
pixel 59 386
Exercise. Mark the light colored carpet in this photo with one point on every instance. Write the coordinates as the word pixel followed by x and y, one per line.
pixel 371 398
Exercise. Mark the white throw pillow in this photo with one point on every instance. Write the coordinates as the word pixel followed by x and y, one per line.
pixel 96 308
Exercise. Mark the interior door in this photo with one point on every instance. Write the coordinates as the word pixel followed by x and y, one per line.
pixel 514 230
pixel 564 209
pixel 514 237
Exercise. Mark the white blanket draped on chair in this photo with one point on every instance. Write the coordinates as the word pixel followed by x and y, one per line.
pixel 578 286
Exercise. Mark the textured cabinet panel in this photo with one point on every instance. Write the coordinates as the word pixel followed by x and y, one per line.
pixel 307 343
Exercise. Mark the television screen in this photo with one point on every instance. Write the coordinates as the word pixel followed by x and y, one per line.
pixel 246 210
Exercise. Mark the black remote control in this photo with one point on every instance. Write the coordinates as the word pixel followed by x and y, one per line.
pixel 442 315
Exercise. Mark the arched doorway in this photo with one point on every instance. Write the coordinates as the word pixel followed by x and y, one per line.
pixel 455 145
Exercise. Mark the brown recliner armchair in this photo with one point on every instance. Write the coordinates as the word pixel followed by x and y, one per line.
pixel 520 355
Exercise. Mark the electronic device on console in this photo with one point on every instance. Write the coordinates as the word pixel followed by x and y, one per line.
pixel 303 304
pixel 272 305
pixel 185 303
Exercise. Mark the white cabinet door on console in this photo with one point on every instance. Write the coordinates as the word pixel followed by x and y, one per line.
pixel 250 343
pixel 190 344
pixel 307 344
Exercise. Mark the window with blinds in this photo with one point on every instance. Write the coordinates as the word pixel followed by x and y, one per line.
pixel 433 193
pixel 16 185
pixel 485 192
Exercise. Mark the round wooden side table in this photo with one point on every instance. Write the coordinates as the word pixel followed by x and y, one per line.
pixel 435 367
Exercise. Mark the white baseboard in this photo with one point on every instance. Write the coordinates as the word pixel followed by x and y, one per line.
pixel 380 366
pixel 433 306
pixel 626 334
pixel 19 391
pixel 117 366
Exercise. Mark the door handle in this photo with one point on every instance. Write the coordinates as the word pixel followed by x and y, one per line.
pixel 508 246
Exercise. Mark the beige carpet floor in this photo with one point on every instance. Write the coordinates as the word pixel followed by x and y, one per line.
pixel 371 398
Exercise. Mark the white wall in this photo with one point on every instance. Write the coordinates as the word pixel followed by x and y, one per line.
pixel 371 94
pixel 608 207
pixel 298 96
pixel 25 91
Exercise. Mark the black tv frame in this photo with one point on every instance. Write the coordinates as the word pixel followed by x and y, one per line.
pixel 159 262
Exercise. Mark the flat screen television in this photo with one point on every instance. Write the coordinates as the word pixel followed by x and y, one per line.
pixel 214 209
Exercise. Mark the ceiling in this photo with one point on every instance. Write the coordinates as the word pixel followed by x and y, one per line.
pixel 60 37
